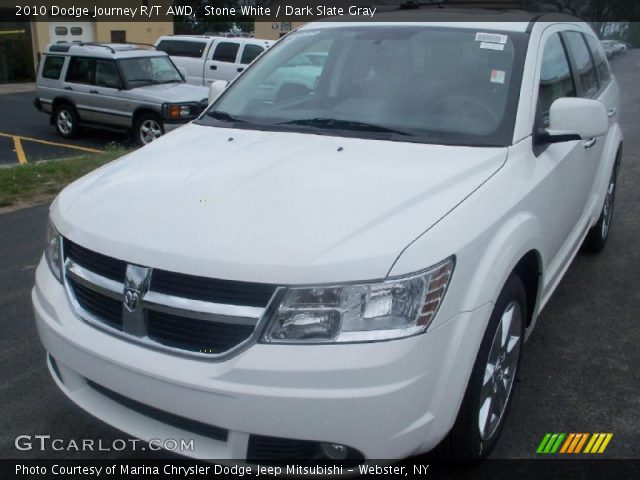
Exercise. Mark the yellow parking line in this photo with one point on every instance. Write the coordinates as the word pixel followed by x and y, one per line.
pixel 17 144
pixel 54 144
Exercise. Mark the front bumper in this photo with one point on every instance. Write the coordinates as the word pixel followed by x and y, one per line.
pixel 386 399
pixel 170 125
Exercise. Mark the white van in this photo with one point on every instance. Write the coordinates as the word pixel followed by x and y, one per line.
pixel 208 58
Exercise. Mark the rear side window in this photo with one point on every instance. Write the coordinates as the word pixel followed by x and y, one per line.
pixel 250 53
pixel 82 70
pixel 604 74
pixel 555 76
pixel 226 52
pixel 586 71
pixel 179 48
pixel 52 67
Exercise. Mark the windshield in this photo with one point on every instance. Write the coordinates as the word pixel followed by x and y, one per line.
pixel 149 70
pixel 408 83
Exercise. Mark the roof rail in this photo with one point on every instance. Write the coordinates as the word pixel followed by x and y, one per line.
pixel 94 44
pixel 139 43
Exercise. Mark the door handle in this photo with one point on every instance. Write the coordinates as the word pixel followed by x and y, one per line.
pixel 94 91
pixel 68 88
pixel 213 67
pixel 240 69
pixel 590 143
pixel 612 112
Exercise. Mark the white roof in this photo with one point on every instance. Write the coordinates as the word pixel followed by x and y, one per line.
pixel 104 50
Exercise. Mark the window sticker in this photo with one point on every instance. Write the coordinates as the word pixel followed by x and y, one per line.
pixel 491 37
pixel 498 76
pixel 492 46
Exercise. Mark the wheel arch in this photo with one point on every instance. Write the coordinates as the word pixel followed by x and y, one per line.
pixel 143 110
pixel 59 101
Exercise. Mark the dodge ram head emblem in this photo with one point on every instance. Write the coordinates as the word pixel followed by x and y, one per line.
pixel 131 299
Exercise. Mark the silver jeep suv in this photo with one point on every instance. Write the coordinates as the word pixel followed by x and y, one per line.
pixel 115 86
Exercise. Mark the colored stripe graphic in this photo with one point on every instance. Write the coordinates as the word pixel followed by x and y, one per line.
pixel 574 443
pixel 550 443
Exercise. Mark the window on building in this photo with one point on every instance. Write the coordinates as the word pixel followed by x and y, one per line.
pixel 586 71
pixel 61 31
pixel 118 36
pixel 82 70
pixel 250 53
pixel 226 52
pixel 555 76
pixel 52 67
pixel 76 31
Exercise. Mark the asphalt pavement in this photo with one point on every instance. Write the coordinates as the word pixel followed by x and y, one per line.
pixel 19 118
pixel 580 370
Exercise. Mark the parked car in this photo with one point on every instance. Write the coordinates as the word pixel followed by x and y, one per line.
pixel 206 58
pixel 620 47
pixel 114 86
pixel 346 273
pixel 608 48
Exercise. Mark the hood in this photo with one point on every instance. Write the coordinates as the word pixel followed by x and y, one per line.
pixel 172 92
pixel 275 207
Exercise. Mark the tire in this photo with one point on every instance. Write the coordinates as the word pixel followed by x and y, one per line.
pixel 66 120
pixel 476 431
pixel 147 129
pixel 596 238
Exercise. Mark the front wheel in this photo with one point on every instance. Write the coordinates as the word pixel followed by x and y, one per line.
pixel 66 121
pixel 490 388
pixel 148 128
pixel 597 236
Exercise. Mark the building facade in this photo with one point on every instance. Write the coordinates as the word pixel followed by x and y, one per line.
pixel 22 42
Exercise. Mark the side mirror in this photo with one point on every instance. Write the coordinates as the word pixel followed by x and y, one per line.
pixel 216 88
pixel 183 72
pixel 575 119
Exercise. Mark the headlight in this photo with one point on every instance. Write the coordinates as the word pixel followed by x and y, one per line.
pixel 394 308
pixel 53 251
pixel 176 110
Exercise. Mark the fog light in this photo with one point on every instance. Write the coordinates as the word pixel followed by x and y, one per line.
pixel 334 451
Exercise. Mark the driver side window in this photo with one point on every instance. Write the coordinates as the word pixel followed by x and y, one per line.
pixel 556 80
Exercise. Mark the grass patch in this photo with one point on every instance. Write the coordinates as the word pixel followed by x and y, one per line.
pixel 35 182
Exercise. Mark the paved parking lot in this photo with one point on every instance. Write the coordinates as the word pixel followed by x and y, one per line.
pixel 38 140
pixel 580 370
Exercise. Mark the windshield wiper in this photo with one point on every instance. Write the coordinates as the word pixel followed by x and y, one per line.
pixel 224 116
pixel 343 124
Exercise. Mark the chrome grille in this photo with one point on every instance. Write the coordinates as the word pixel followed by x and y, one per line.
pixel 181 313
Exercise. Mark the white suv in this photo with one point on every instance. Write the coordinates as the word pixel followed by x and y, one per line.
pixel 347 270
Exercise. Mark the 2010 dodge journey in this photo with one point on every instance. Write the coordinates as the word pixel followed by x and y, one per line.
pixel 339 260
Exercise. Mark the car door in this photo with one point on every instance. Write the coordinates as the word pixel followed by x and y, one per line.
pixel 111 108
pixel 562 194
pixel 609 95
pixel 248 54
pixel 222 61
pixel 78 84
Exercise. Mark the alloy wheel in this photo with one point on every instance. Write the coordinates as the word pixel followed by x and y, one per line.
pixel 499 373
pixel 150 130
pixel 65 122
